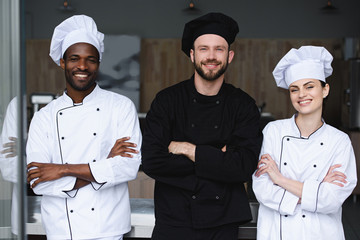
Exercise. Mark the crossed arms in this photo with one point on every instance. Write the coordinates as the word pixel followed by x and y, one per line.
pixel 43 172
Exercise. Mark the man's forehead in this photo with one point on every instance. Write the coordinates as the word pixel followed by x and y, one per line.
pixel 82 48
pixel 210 40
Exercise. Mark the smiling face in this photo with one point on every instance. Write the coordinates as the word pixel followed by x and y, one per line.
pixel 307 96
pixel 211 56
pixel 81 65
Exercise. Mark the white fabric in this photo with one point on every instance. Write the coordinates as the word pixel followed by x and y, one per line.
pixel 307 160
pixel 76 29
pixel 8 165
pixel 306 62
pixel 64 133
pixel 120 237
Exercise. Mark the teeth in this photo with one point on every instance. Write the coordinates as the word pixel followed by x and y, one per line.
pixel 80 75
pixel 303 102
pixel 211 65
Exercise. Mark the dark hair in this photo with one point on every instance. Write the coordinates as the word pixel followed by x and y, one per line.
pixel 323 84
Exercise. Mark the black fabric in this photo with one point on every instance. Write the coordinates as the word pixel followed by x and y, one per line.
pixel 211 23
pixel 226 232
pixel 209 192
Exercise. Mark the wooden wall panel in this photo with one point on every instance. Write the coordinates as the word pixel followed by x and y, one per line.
pixel 355 139
pixel 164 64
pixel 142 186
pixel 42 74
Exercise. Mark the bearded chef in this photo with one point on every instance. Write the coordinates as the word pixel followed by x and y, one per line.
pixel 79 154
pixel 306 168
pixel 202 140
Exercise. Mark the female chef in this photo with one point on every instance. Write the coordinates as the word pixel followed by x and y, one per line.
pixel 306 168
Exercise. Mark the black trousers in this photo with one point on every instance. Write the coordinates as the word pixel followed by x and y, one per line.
pixel 225 232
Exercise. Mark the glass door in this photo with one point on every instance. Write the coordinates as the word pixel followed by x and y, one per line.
pixel 12 120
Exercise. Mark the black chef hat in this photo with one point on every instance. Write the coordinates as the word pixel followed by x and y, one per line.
pixel 211 23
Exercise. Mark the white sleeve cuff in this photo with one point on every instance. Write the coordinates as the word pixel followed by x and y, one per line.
pixel 102 172
pixel 66 185
pixel 310 194
pixel 288 204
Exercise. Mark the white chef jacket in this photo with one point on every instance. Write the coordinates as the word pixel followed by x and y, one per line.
pixel 306 160
pixel 8 166
pixel 62 133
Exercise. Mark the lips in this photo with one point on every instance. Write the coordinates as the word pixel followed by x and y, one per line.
pixel 305 102
pixel 81 75
pixel 211 65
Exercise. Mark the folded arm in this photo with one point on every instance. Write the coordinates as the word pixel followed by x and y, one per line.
pixel 43 172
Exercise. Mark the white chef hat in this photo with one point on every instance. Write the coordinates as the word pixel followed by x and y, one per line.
pixel 76 29
pixel 305 62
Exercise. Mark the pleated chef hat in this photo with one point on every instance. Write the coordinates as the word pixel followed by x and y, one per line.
pixel 305 62
pixel 211 23
pixel 76 29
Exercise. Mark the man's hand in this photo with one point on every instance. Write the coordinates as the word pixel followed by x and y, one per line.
pixel 123 148
pixel 43 172
pixel 9 149
pixel 335 177
pixel 183 148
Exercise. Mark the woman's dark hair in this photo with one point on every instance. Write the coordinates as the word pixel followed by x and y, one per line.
pixel 323 84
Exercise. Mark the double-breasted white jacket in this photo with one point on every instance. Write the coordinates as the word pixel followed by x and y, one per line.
pixel 64 133
pixel 307 160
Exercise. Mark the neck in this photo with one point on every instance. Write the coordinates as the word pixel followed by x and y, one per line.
pixel 76 95
pixel 208 88
pixel 308 123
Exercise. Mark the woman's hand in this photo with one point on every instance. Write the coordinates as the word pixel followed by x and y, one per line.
pixel 335 177
pixel 269 166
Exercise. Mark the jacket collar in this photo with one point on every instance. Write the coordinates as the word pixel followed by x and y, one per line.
pixel 92 96
pixel 296 129
pixel 205 98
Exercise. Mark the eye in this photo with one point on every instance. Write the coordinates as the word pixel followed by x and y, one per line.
pixel 293 90
pixel 73 59
pixel 93 60
pixel 309 87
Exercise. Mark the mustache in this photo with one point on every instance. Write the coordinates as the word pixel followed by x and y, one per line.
pixel 211 62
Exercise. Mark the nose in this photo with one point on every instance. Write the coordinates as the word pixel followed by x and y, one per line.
pixel 302 92
pixel 82 65
pixel 211 55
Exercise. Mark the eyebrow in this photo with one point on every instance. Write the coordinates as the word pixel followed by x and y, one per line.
pixel 204 45
pixel 307 83
pixel 77 55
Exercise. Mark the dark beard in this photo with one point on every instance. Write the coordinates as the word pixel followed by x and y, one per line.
pixel 211 75
pixel 70 81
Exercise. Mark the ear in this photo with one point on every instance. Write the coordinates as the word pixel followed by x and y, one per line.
pixel 62 63
pixel 192 54
pixel 326 90
pixel 231 56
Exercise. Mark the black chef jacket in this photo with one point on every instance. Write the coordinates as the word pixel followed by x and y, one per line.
pixel 209 192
